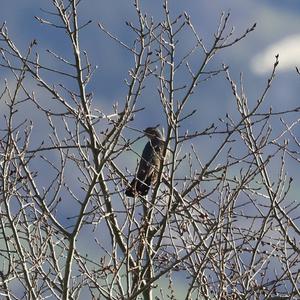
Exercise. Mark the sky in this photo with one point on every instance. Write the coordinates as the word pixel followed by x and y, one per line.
pixel 277 32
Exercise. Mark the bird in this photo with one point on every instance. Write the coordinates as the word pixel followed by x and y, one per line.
pixel 149 164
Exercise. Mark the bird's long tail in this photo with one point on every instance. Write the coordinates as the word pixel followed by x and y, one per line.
pixel 138 187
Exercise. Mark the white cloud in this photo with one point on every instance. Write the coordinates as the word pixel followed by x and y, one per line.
pixel 289 56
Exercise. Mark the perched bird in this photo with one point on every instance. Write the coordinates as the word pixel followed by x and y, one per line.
pixel 149 164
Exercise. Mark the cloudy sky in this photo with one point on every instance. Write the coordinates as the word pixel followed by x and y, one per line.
pixel 277 32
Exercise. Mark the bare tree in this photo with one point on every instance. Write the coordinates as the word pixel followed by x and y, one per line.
pixel 223 222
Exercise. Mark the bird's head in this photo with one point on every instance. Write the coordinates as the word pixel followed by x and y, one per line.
pixel 153 132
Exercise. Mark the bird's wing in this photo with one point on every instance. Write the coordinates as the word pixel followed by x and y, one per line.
pixel 146 163
pixel 150 160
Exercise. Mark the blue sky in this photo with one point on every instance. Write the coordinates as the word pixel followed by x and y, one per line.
pixel 277 31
